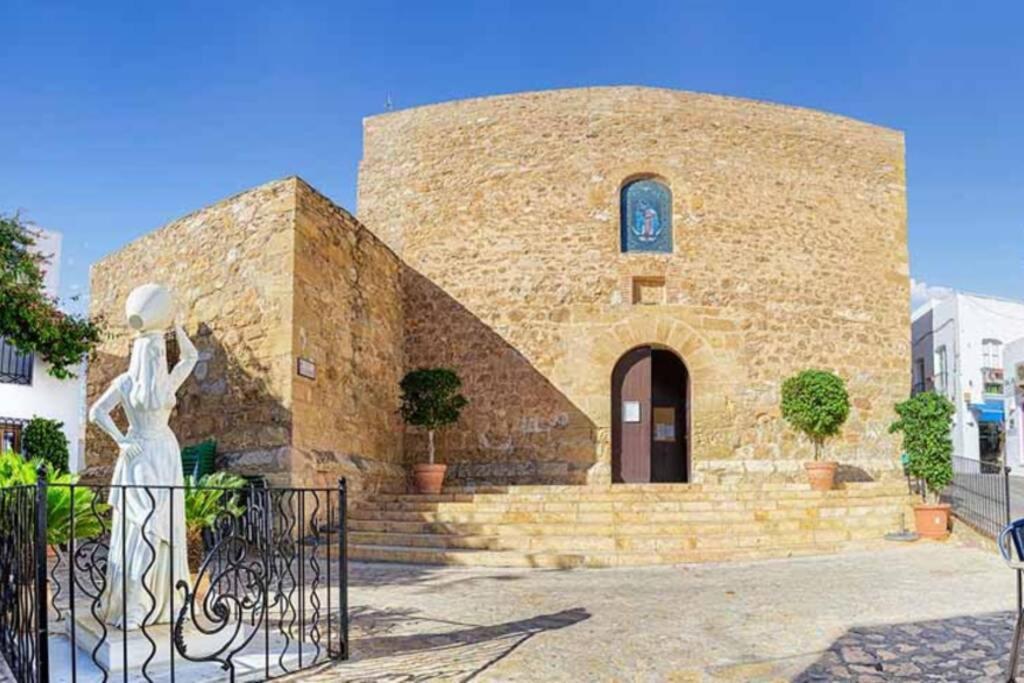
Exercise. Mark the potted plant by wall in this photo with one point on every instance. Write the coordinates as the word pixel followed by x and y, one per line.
pixel 925 421
pixel 431 400
pixel 815 403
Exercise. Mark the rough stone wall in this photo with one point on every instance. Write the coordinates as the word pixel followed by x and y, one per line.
pixel 348 321
pixel 265 277
pixel 230 267
pixel 790 252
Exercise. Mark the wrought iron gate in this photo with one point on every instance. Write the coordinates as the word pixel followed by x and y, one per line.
pixel 269 596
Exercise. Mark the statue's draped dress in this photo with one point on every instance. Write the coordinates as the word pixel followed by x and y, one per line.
pixel 147 535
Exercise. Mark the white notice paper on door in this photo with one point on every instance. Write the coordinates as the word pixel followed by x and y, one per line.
pixel 631 411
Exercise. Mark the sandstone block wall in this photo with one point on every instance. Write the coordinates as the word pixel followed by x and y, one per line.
pixel 230 266
pixel 348 320
pixel 263 278
pixel 790 252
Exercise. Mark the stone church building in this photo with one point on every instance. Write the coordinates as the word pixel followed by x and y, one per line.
pixel 622 276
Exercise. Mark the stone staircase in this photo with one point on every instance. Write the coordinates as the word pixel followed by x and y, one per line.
pixel 624 524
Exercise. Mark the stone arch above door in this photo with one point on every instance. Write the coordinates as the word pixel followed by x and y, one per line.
pixel 590 355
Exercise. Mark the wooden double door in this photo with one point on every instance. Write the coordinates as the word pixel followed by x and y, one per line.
pixel 650 417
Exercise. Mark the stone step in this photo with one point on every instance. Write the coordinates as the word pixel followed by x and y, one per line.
pixel 615 506
pixel 571 526
pixel 766 486
pixel 637 516
pixel 615 543
pixel 560 560
pixel 887 520
pixel 649 493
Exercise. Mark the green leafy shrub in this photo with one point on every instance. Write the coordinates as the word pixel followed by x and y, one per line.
pixel 431 399
pixel 90 512
pixel 29 318
pixel 815 403
pixel 44 438
pixel 925 420
pixel 206 500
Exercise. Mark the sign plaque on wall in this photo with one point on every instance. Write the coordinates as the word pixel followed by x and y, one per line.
pixel 306 368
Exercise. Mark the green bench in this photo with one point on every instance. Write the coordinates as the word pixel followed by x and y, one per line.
pixel 197 459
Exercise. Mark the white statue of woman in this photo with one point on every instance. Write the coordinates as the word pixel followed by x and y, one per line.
pixel 149 457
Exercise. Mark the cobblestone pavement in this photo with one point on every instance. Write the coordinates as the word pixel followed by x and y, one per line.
pixel 925 612
pixel 970 648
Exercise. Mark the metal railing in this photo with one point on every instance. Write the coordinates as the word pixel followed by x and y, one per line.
pixel 15 366
pixel 980 495
pixel 268 595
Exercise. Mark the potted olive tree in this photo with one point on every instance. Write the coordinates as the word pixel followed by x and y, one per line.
pixel 431 400
pixel 925 420
pixel 815 403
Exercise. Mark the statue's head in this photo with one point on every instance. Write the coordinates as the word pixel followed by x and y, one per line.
pixel 149 308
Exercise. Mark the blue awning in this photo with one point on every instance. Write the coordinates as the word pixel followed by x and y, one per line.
pixel 989 411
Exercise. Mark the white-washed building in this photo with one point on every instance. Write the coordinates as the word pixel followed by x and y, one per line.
pixel 958 351
pixel 26 387
pixel 1013 371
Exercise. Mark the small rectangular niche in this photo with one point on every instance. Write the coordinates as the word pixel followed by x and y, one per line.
pixel 648 291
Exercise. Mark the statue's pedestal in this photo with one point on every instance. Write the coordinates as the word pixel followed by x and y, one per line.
pixel 120 650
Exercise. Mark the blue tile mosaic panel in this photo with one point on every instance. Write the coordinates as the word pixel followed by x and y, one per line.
pixel 646 216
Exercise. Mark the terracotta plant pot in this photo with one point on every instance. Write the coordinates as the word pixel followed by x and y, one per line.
pixel 429 478
pixel 821 474
pixel 932 521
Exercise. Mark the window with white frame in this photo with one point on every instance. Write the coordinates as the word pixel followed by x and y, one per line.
pixel 941 371
pixel 991 353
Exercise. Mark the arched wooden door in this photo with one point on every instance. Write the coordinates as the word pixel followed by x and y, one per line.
pixel 650 417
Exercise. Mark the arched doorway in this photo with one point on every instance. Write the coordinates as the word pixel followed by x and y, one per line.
pixel 650 417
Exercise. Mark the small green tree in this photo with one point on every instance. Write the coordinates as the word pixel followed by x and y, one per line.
pixel 925 420
pixel 815 403
pixel 44 438
pixel 29 318
pixel 431 399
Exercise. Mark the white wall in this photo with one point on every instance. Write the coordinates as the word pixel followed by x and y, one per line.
pixel 1013 354
pixel 47 396
pixel 52 398
pixel 960 323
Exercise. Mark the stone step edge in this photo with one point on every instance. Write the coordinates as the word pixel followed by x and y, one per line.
pixel 587 493
pixel 506 503
pixel 624 517
pixel 549 559
pixel 678 486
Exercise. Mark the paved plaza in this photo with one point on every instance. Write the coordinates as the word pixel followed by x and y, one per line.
pixel 927 611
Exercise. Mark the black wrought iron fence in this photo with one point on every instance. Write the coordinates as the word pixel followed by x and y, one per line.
pixel 267 596
pixel 980 495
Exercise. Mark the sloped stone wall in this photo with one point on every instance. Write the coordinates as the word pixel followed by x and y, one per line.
pixel 264 278
pixel 230 267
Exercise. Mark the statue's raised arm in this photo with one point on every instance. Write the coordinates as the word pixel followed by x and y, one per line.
pixel 187 361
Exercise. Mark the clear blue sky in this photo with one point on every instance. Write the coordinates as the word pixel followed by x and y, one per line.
pixel 117 118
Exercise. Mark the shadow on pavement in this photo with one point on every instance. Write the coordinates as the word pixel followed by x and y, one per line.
pixel 400 645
